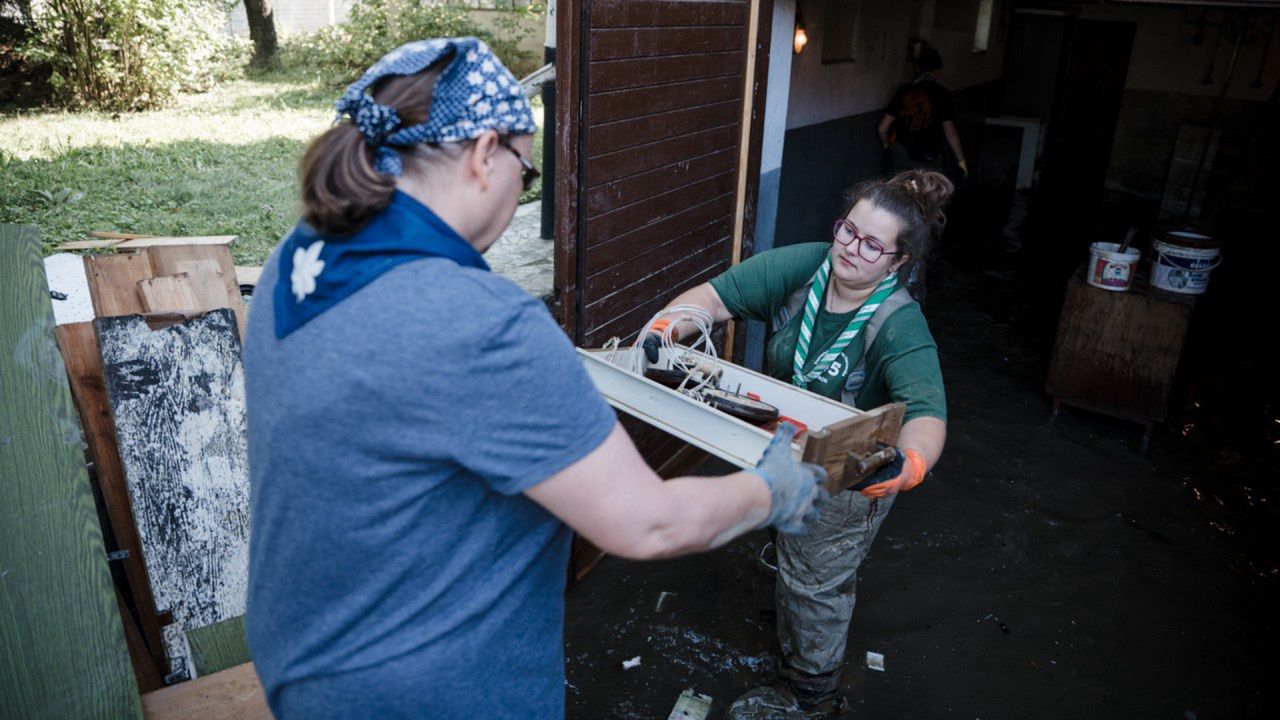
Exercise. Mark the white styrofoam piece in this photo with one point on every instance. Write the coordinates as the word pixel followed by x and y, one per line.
pixel 66 275
pixel 698 424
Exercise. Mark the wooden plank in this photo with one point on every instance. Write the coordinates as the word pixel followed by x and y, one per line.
pixel 248 275
pixel 219 646
pixel 656 72
pixel 665 13
pixel 628 324
pixel 174 259
pixel 79 346
pixel 604 198
pixel 104 235
pixel 569 194
pixel 637 215
pixel 648 261
pixel 616 301
pixel 606 254
pixel 113 283
pixel 145 671
pixel 862 436
pixel 149 242
pixel 628 133
pixel 177 396
pixel 87 245
pixel 198 290
pixel 640 102
pixel 234 694
pixel 62 646
pixel 636 160
pixel 613 44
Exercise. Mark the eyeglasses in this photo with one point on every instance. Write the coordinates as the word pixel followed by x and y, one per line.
pixel 867 248
pixel 529 173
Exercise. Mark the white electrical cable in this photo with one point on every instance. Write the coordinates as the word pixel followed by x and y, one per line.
pixel 687 359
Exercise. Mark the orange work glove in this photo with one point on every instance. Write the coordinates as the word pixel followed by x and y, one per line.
pixel 904 473
pixel 653 339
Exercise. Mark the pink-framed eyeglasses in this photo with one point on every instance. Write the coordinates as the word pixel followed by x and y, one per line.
pixel 867 248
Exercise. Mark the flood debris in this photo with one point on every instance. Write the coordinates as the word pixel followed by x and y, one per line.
pixel 691 706
pixel 875 661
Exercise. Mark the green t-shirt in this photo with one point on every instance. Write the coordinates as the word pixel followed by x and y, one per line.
pixel 902 365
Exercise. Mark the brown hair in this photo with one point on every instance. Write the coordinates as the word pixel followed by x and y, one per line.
pixel 917 198
pixel 341 190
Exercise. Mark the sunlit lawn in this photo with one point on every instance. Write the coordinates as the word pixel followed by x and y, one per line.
pixel 218 163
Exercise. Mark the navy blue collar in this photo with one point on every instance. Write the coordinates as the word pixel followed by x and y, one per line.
pixel 319 271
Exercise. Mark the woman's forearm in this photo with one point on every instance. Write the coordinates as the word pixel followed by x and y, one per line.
pixel 925 435
pixel 705 297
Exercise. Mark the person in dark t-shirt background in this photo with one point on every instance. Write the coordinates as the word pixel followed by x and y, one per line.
pixel 920 116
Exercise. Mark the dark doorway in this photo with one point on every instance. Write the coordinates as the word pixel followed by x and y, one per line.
pixel 1086 106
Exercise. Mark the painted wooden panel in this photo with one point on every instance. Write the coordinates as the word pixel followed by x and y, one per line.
pixel 62 647
pixel 615 43
pixel 662 13
pixel 635 160
pixel 603 198
pixel 638 102
pixel 177 395
pixel 623 134
pixel 643 72
pixel 79 345
pixel 646 212
pixel 673 224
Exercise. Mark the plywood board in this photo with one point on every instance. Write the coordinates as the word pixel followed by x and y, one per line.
pixel 198 290
pixel 177 396
pixel 79 346
pixel 174 259
pixel 113 283
pixel 62 646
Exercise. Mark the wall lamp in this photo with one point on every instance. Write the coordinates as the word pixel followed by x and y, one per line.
pixel 802 37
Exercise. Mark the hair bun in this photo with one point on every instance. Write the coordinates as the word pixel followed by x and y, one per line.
pixel 931 190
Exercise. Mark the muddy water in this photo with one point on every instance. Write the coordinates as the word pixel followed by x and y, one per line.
pixel 1041 571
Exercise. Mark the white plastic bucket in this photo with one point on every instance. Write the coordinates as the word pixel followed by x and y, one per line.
pixel 1111 269
pixel 1183 261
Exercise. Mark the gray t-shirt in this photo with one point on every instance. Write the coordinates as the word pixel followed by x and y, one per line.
pixel 396 570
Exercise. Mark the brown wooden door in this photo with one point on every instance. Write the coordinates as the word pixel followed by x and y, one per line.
pixel 652 187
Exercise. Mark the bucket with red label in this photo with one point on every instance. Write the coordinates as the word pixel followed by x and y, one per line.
pixel 1110 268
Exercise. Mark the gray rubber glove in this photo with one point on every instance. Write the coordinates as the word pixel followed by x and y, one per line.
pixel 796 489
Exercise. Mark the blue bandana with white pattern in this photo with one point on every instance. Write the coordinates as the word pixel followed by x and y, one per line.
pixel 473 94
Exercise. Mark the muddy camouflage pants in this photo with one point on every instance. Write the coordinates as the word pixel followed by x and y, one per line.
pixel 817 588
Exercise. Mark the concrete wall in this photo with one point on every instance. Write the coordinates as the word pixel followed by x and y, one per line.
pixel 834 108
pixel 1165 87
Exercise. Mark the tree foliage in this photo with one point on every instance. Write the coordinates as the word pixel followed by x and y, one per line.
pixel 375 27
pixel 128 54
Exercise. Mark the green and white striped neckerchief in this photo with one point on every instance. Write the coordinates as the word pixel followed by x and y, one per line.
pixel 882 291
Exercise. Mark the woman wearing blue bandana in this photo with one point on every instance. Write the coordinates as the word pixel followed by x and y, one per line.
pixel 846 327
pixel 422 436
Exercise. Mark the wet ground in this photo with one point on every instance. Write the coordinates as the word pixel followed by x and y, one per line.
pixel 1041 571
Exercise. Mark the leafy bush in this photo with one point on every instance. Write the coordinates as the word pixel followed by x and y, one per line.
pixel 130 54
pixel 341 53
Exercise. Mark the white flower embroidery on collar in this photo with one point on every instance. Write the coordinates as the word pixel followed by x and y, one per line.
pixel 307 266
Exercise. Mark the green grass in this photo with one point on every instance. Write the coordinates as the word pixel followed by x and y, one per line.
pixel 217 163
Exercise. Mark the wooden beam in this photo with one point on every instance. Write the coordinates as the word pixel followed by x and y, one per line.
pixel 62 646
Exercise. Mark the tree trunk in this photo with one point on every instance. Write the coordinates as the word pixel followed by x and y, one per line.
pixel 262 30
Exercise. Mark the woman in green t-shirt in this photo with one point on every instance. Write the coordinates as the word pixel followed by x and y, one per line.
pixel 823 301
